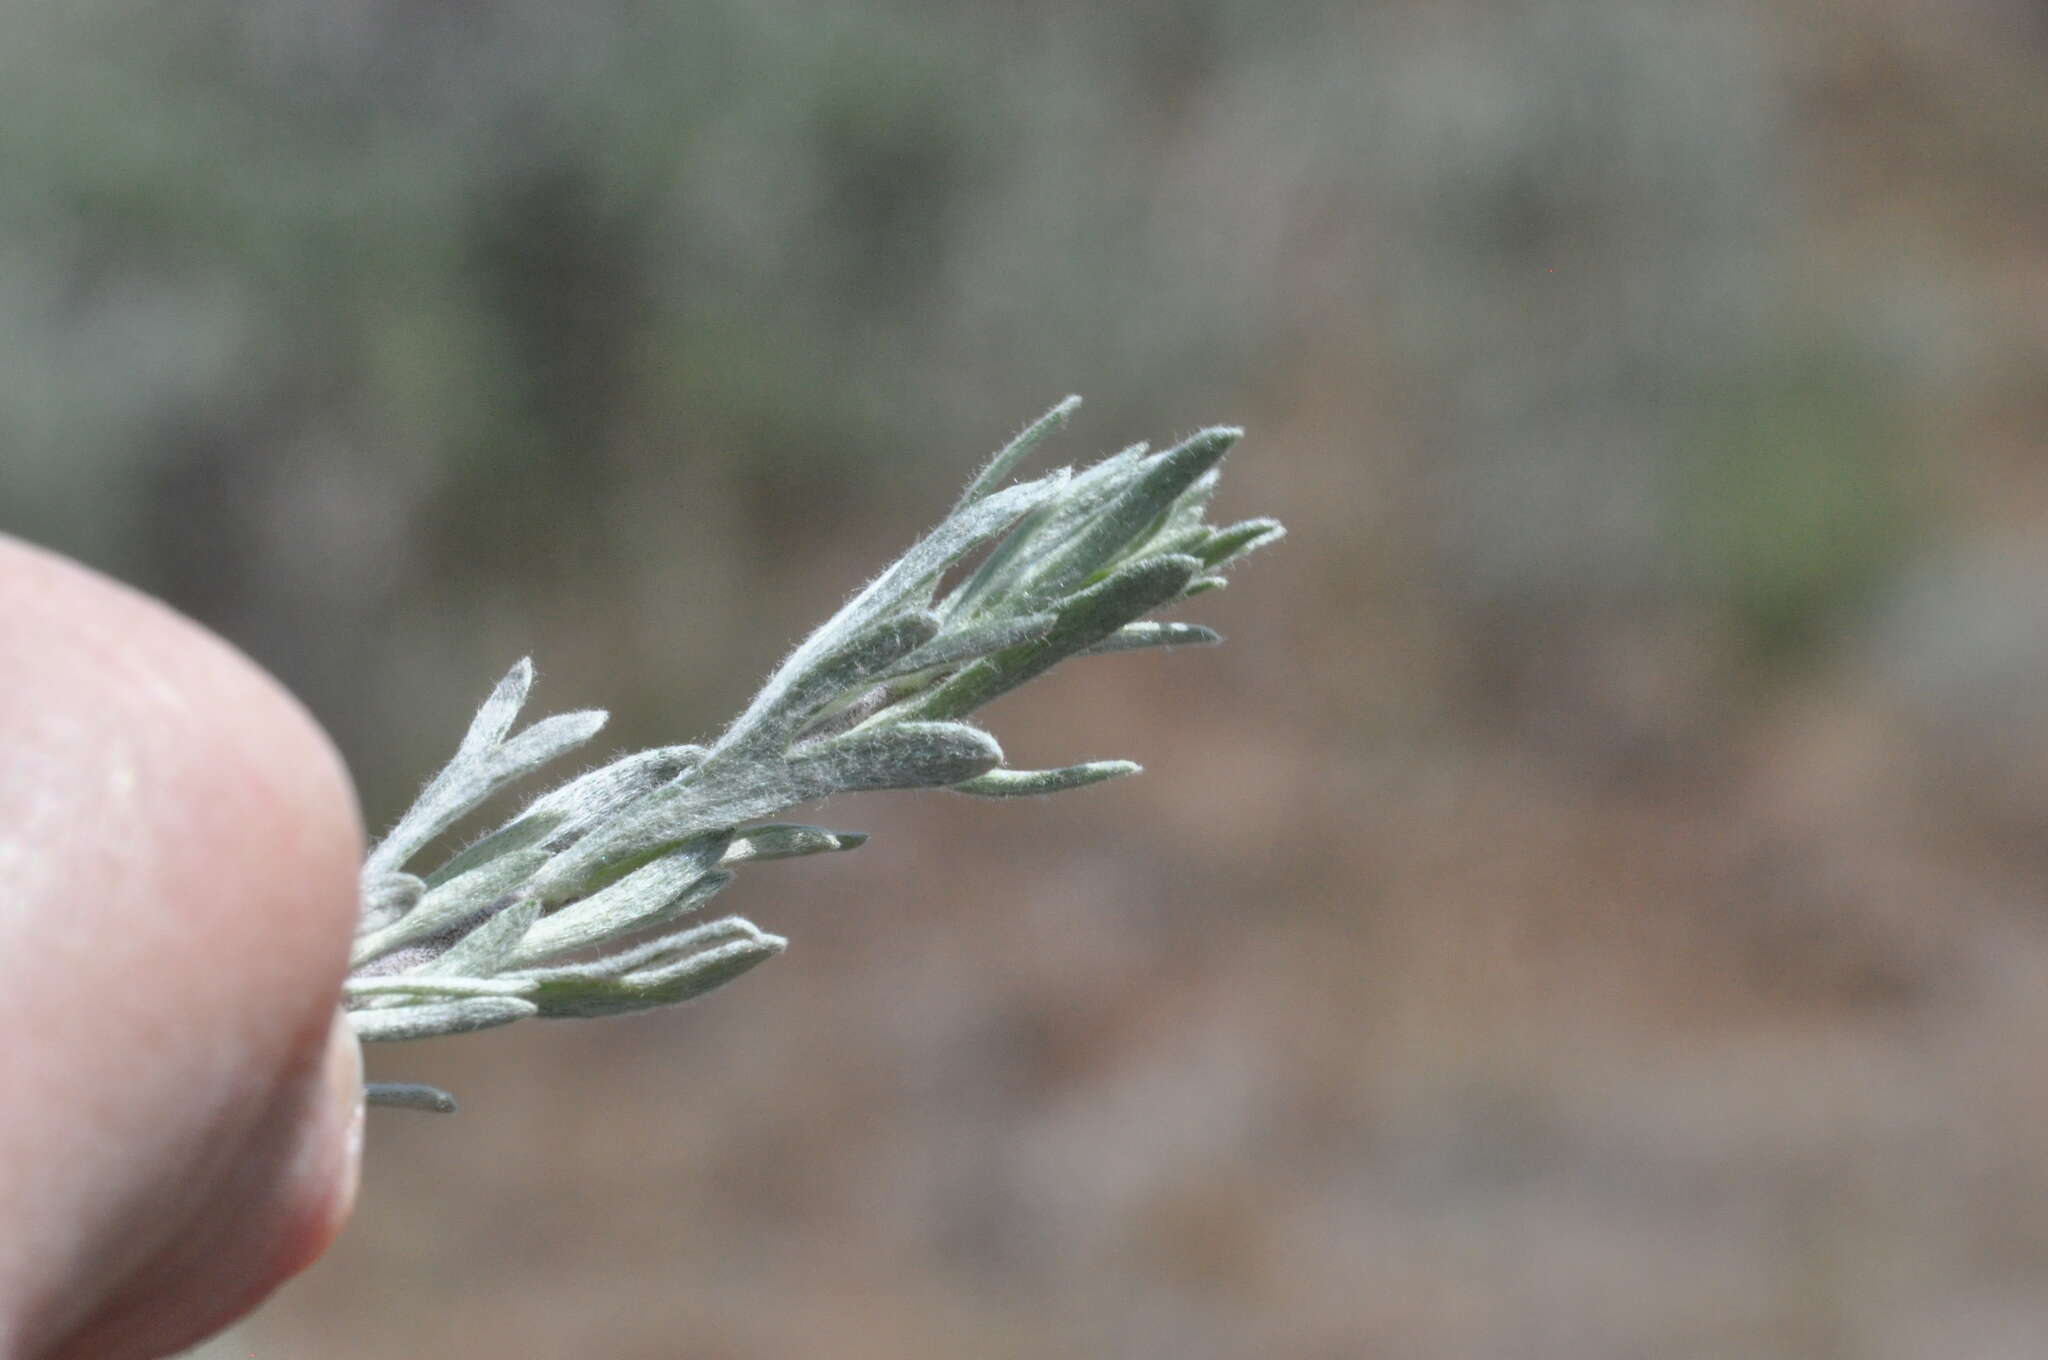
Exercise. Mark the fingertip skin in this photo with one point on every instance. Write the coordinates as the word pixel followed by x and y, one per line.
pixel 179 844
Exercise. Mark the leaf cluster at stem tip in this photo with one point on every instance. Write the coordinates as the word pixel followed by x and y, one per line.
pixel 587 901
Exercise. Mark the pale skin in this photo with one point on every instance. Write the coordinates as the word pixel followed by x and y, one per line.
pixel 180 1105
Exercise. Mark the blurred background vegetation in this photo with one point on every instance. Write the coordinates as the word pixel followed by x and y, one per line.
pixel 1595 906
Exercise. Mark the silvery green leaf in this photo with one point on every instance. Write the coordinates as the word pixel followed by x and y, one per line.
pixel 986 585
pixel 714 797
pixel 1043 530
pixel 475 775
pixel 488 948
pixel 662 890
pixel 1096 613
pixel 564 994
pixel 971 642
pixel 1026 783
pixel 1085 619
pixel 409 1095
pixel 922 565
pixel 1124 518
pixel 422 984
pixel 699 972
pixel 1092 488
pixel 545 741
pixel 495 718
pixel 462 894
pixel 1171 542
pixel 726 791
pixel 604 790
pixel 903 755
pixel 794 695
pixel 1229 544
pixel 1202 585
pixel 785 840
pixel 654 953
pixel 1135 636
pixel 530 831
pixel 486 729
pixel 1179 528
pixel 560 815
pixel 441 1017
pixel 1017 450
pixel 958 535
pixel 388 897
pixel 1192 505
pixel 450 903
pixel 844 717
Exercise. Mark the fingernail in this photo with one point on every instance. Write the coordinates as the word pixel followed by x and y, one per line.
pixel 334 1159
pixel 345 1104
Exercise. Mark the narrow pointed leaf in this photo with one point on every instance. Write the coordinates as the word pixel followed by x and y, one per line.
pixel 1003 562
pixel 643 899
pixel 1085 619
pixel 716 797
pixel 1018 449
pixel 785 840
pixel 1136 636
pixel 690 976
pixel 499 711
pixel 921 566
pixel 474 776
pixel 971 642
pixel 1229 544
pixel 698 973
pixel 1028 783
pixel 438 1018
pixel 945 545
pixel 487 948
pixel 1169 542
pixel 1055 522
pixel 1191 506
pixel 486 730
pixel 451 903
pixel 656 953
pixel 420 984
pixel 658 889
pixel 545 741
pixel 530 831
pixel 905 755
pixel 560 815
pixel 1114 528
pixel 794 695
pixel 603 791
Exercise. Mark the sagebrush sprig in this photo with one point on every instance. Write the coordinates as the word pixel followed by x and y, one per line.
pixel 569 908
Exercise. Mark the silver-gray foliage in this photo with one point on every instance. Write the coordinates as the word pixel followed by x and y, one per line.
pixel 575 906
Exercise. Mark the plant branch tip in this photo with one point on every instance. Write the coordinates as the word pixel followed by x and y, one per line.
pixel 582 903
